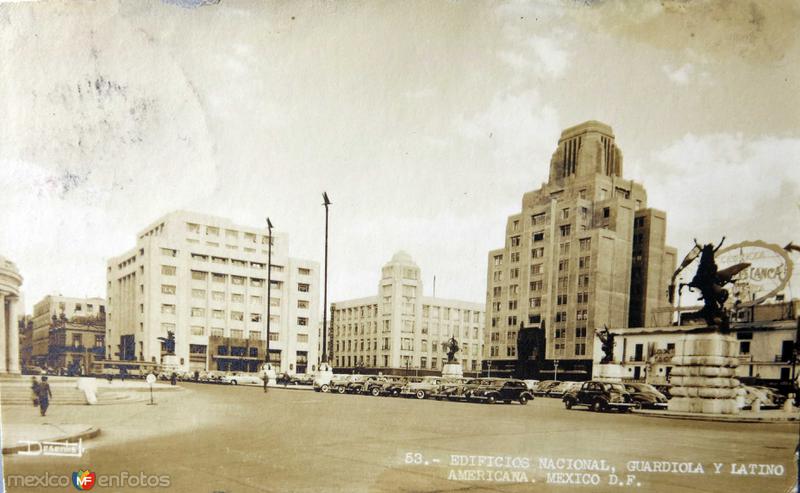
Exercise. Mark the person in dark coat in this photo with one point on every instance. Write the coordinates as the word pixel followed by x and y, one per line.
pixel 35 390
pixel 44 394
pixel 174 378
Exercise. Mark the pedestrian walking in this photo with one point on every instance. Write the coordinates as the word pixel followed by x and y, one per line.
pixel 44 394
pixel 174 378
pixel 35 391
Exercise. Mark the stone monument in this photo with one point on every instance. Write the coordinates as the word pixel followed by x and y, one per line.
pixel 705 361
pixel 452 368
pixel 607 370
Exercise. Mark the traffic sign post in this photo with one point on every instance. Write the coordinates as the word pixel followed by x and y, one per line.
pixel 151 379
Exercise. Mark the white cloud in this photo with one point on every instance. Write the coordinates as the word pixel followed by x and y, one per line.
pixel 726 184
pixel 550 54
pixel 685 74
pixel 679 75
pixel 518 128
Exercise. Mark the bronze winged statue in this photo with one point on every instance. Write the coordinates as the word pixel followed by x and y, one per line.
pixel 711 281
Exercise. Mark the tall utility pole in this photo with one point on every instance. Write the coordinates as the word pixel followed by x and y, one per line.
pixel 326 202
pixel 269 289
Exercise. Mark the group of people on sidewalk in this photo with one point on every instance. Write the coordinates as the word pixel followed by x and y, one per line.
pixel 41 394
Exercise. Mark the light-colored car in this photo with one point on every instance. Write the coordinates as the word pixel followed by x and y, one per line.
pixel 339 383
pixel 562 389
pixel 425 387
pixel 531 384
pixel 242 379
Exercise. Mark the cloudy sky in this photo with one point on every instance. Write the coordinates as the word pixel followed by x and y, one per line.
pixel 425 122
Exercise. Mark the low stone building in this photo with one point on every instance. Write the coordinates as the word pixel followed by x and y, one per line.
pixel 765 347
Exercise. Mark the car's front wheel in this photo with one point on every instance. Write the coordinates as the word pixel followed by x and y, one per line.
pixel 375 391
pixel 568 403
pixel 491 399
pixel 325 388
pixel 523 400
pixel 341 390
pixel 420 394
pixel 233 382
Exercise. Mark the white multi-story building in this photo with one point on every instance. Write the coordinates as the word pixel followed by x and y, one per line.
pixel 402 329
pixel 204 279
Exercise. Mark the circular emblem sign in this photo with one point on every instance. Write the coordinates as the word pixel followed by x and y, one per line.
pixel 769 271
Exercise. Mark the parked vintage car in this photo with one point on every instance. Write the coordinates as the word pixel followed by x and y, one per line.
pixel 646 396
pixel 339 383
pixel 502 391
pixel 379 385
pixel 600 397
pixel 356 384
pixel 451 388
pixel 324 384
pixel 424 387
pixel 242 379
pixel 664 389
pixel 395 386
pixel 474 384
pixel 531 384
pixel 543 386
pixel 768 397
pixel 561 389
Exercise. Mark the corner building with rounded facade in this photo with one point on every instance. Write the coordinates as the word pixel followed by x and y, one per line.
pixel 584 252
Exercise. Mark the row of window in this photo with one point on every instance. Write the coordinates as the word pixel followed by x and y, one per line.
pixel 407 362
pixel 511 350
pixel 406 344
pixel 539 285
pixel 585 245
pixel 229 233
pixel 199 312
pixel 408 327
pixel 253 335
pixel 201 294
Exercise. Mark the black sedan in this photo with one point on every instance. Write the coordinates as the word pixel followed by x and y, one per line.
pixel 646 396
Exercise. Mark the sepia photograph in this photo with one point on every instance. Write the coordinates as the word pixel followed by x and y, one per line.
pixel 400 246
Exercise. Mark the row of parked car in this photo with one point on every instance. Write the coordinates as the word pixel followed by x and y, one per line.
pixel 488 390
pixel 603 396
pixel 642 395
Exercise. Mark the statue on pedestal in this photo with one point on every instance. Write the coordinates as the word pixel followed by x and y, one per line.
pixel 607 341
pixel 711 281
pixel 168 343
pixel 452 348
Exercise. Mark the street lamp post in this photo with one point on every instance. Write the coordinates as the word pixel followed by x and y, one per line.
pixel 555 364
pixel 326 202
pixel 268 365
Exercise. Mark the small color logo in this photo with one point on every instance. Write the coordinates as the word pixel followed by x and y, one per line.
pixel 83 480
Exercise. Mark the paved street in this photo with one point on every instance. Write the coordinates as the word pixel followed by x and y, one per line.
pixel 236 439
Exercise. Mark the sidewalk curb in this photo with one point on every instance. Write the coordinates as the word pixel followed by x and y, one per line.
pixel 90 432
pixel 790 418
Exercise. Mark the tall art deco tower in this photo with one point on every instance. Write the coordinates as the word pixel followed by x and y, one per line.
pixel 585 251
